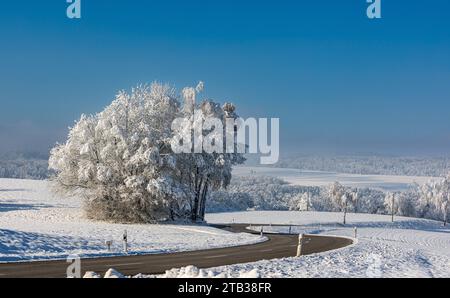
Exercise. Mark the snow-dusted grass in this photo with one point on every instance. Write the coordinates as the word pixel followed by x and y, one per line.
pixel 316 178
pixel 408 247
pixel 35 225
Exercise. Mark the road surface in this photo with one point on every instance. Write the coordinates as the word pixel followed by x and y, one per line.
pixel 277 246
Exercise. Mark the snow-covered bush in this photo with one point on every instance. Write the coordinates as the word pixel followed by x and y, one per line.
pixel 257 192
pixel 369 200
pixel 342 197
pixel 121 160
pixel 224 201
pixel 406 205
pixel 301 202
pixel 434 199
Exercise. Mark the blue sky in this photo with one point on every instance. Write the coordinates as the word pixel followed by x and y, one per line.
pixel 339 82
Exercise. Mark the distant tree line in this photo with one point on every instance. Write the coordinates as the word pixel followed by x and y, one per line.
pixel 431 200
pixel 36 169
pixel 371 165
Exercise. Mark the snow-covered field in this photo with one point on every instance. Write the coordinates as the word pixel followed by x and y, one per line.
pixel 35 225
pixel 315 178
pixel 406 248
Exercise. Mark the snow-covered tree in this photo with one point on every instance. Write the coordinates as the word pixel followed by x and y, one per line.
pixel 121 160
pixel 406 204
pixel 433 199
pixel 205 171
pixel 389 203
pixel 341 197
pixel 301 202
pixel 441 198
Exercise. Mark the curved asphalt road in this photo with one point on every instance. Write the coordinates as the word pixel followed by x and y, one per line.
pixel 278 246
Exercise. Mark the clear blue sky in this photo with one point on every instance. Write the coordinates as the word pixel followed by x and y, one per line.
pixel 339 82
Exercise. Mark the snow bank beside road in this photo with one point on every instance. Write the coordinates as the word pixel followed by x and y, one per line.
pixel 409 247
pixel 194 272
pixel 321 218
pixel 366 259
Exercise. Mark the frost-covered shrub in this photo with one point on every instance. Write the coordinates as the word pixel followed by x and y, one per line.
pixel 224 201
pixel 370 201
pixel 433 199
pixel 406 205
pixel 113 159
pixel 266 193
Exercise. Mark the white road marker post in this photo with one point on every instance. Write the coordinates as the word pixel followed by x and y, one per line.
pixel 108 244
pixel 300 245
pixel 125 241
pixel 290 229
pixel 356 232
pixel 262 231
pixel 74 269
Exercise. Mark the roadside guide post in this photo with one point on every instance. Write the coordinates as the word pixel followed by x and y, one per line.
pixel 108 244
pixel 125 241
pixel 300 245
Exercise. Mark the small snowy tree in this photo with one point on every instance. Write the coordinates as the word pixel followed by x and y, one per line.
pixel 442 199
pixel 301 202
pixel 355 200
pixel 434 199
pixel 389 203
pixel 341 198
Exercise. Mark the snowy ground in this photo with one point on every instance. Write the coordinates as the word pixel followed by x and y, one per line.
pixel 315 178
pixel 407 248
pixel 34 225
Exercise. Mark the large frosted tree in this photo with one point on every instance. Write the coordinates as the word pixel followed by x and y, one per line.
pixel 121 160
pixel 204 171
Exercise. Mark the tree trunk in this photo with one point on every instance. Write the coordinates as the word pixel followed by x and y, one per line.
pixel 203 200
pixel 392 208
pixel 345 213
pixel 194 206
pixel 171 213
pixel 195 209
pixel 197 186
pixel 345 216
pixel 446 214
pixel 194 212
